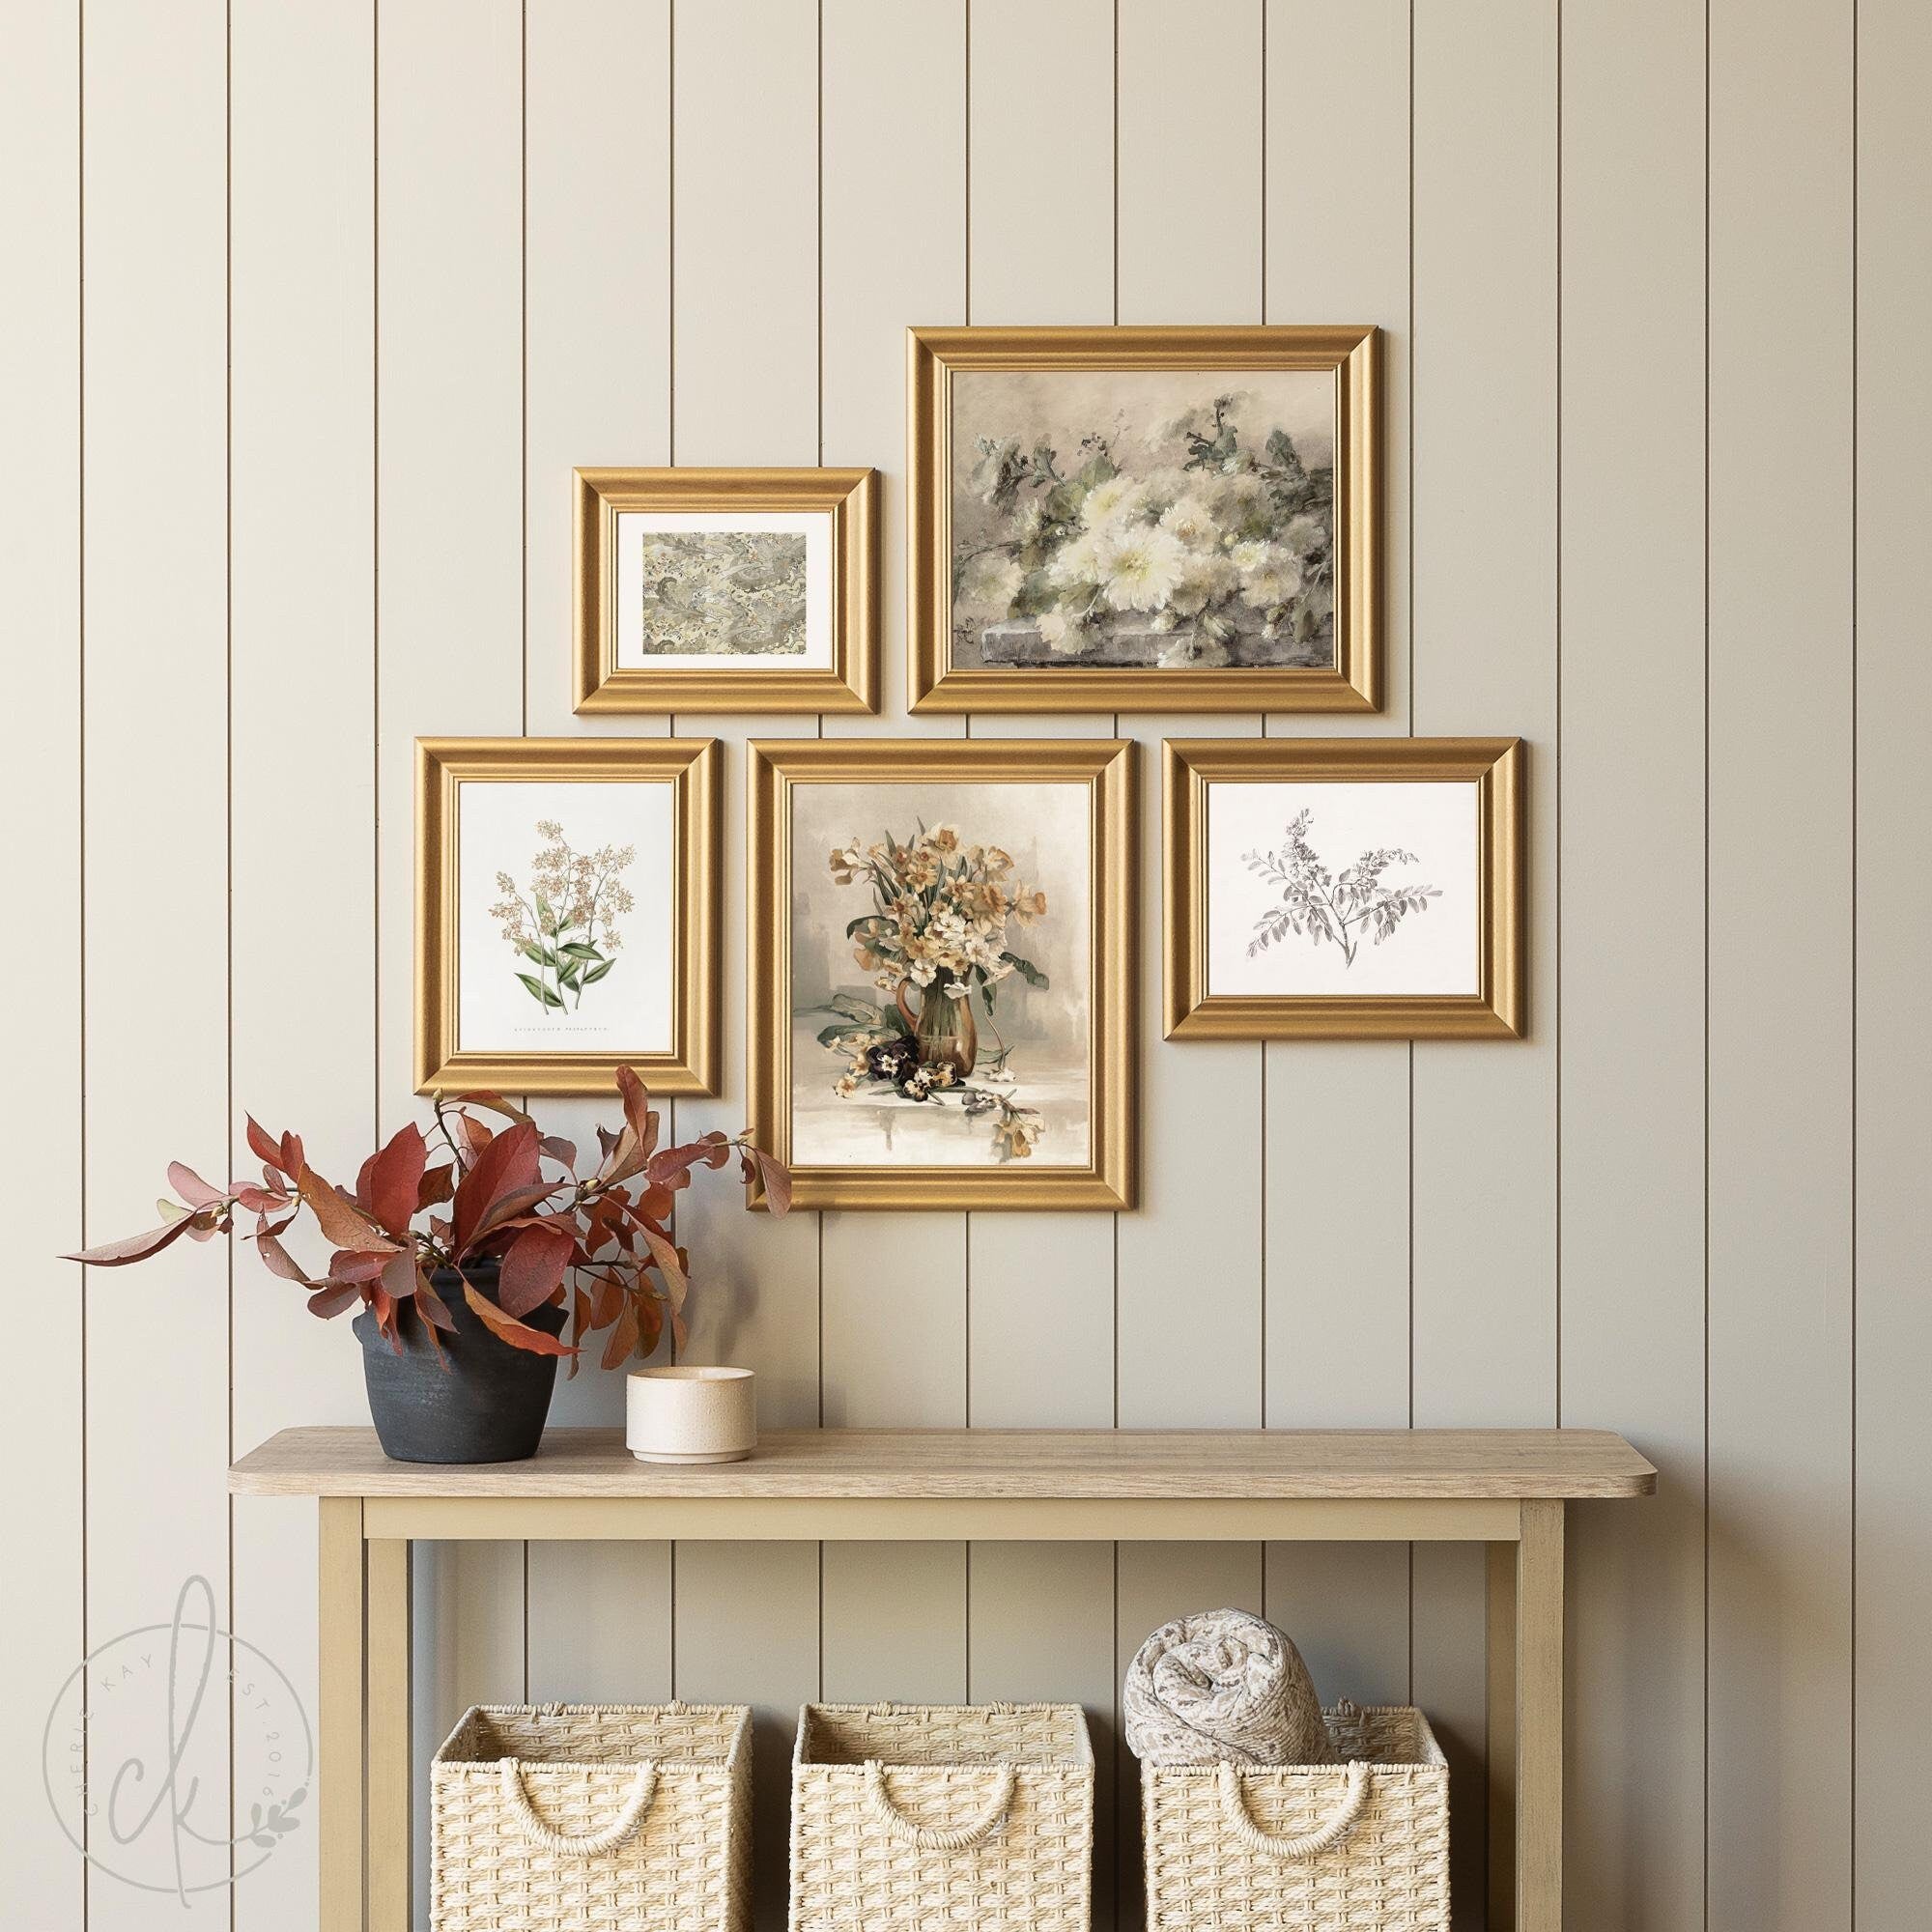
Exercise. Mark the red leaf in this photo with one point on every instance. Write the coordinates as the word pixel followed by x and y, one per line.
pixel 348 1264
pixel 533 1266
pixel 495 1103
pixel 292 1160
pixel 278 1260
pixel 561 1149
pixel 436 1185
pixel 623 1337
pixel 637 1099
pixel 506 1208
pixel 506 1328
pixel 384 1308
pixel 650 1324
pixel 777 1176
pixel 672 1167
pixel 134 1248
pixel 327 1301
pixel 507 1163
pixel 191 1187
pixel 475 1135
pixel 343 1224
pixel 431 1306
pixel 399 1276
pixel 266 1151
pixel 258 1200
pixel 669 1263
pixel 395 1177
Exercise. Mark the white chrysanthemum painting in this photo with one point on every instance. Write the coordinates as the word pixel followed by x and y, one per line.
pixel 1127 518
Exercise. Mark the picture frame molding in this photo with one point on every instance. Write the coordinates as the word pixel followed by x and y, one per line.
pixel 1495 765
pixel 849 496
pixel 693 768
pixel 1354 684
pixel 1109 769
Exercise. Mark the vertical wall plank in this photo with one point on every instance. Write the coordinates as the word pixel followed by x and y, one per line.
pixel 1189 1282
pixel 40 785
pixel 1894 1431
pixel 1041 1300
pixel 1781 908
pixel 301 745
pixel 1483 594
pixel 745 390
pixel 1335 1184
pixel 1631 1151
pixel 156 805
pixel 893 1286
pixel 596 375
pixel 450 600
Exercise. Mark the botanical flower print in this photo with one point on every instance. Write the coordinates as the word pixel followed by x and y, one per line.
pixel 942 913
pixel 564 923
pixel 1321 906
pixel 708 592
pixel 1206 539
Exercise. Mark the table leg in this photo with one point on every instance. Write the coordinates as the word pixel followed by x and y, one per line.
pixel 390 1806
pixel 339 1714
pixel 1501 1750
pixel 1539 1719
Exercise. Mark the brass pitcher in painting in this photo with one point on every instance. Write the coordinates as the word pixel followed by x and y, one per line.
pixel 943 1029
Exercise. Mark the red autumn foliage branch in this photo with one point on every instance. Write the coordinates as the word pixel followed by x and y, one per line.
pixel 599 1245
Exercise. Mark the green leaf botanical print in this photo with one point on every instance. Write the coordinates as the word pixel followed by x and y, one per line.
pixel 1335 908
pixel 736 591
pixel 1201 544
pixel 575 900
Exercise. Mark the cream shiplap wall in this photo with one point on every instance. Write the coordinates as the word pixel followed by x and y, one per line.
pixel 312 306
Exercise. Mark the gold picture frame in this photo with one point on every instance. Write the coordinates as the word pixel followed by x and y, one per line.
pixel 690 768
pixel 778 772
pixel 1193 766
pixel 936 357
pixel 848 682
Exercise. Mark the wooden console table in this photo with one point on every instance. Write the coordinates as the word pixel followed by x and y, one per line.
pixel 1504 1488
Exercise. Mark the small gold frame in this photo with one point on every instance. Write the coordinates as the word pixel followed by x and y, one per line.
pixel 850 497
pixel 1191 765
pixel 1353 683
pixel 691 767
pixel 1107 766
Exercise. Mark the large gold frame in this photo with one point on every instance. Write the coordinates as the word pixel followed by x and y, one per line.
pixel 933 355
pixel 849 496
pixel 691 767
pixel 1108 768
pixel 1191 765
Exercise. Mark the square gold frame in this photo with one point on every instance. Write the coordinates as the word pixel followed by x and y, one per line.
pixel 1107 767
pixel 1191 765
pixel 692 766
pixel 849 496
pixel 935 355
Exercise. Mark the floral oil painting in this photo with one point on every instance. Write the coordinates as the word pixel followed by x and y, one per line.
pixel 941 962
pixel 1126 519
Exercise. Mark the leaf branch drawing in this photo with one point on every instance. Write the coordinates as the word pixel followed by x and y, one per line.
pixel 1338 908
pixel 566 926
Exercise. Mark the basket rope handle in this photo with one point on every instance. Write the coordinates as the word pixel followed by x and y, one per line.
pixel 937 1837
pixel 1312 1845
pixel 582 1844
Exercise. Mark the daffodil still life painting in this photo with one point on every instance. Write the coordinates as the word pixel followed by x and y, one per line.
pixel 940 975
pixel 1127 519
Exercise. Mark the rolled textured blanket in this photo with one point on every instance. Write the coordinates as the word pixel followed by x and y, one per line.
pixel 1222 1686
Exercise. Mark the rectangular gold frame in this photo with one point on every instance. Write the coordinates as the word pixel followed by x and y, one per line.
pixel 933 355
pixel 1190 765
pixel 1108 767
pixel 851 499
pixel 693 767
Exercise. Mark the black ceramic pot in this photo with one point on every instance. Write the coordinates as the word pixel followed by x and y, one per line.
pixel 488 1404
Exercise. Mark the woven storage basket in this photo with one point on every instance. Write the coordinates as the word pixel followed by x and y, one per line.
pixel 907 1817
pixel 1361 1846
pixel 592 1818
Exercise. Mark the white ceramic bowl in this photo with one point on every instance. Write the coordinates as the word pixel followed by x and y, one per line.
pixel 691 1415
